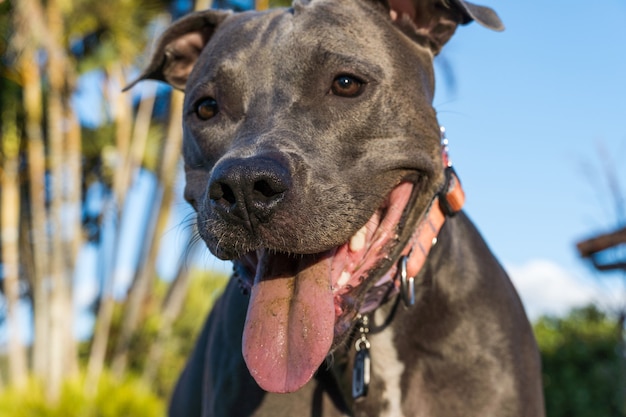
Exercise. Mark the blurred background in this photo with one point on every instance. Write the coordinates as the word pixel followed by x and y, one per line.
pixel 104 285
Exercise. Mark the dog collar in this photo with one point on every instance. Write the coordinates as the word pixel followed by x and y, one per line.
pixel 401 277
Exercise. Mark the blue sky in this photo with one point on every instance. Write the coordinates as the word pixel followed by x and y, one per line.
pixel 529 112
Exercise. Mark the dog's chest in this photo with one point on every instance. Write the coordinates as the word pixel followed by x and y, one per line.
pixel 388 367
pixel 385 395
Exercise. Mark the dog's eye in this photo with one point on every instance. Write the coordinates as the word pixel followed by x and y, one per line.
pixel 347 86
pixel 206 108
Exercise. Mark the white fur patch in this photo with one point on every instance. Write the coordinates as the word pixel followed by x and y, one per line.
pixel 387 365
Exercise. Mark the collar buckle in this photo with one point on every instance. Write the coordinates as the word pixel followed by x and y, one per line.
pixel 407 283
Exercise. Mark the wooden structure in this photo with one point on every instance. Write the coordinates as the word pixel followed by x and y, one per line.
pixel 592 248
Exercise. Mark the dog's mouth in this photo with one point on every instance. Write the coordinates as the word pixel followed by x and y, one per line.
pixel 300 303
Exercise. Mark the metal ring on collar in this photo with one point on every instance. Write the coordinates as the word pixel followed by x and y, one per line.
pixel 361 343
pixel 407 284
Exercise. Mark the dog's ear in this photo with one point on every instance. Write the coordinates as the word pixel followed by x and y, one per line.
pixel 180 46
pixel 481 14
pixel 437 20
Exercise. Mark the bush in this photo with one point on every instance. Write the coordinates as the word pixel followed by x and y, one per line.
pixel 113 398
pixel 582 370
pixel 129 397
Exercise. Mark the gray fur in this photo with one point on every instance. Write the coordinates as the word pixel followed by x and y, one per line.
pixel 466 347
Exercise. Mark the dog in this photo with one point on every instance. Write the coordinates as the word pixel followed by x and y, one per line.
pixel 314 160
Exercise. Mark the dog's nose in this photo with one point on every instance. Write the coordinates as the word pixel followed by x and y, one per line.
pixel 248 190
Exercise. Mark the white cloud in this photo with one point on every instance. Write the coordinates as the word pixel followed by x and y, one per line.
pixel 547 288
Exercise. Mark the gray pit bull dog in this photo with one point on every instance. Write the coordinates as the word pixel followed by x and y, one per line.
pixel 313 159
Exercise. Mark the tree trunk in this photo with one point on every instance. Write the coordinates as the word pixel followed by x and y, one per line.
pixel 122 111
pixel 9 228
pixel 62 349
pixel 122 114
pixel 33 105
pixel 30 34
pixel 173 302
pixel 73 184
pixel 142 286
pixel 141 130
pixel 100 338
pixel 203 4
pixel 71 234
pixel 171 307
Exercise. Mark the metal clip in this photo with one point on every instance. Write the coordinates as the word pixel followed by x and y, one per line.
pixel 364 329
pixel 407 283
pixel 362 361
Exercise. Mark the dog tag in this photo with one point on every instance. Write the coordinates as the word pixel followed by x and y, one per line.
pixel 361 371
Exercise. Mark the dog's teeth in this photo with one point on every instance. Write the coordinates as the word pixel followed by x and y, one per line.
pixel 343 279
pixel 357 241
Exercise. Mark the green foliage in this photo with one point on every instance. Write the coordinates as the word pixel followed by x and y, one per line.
pixel 111 31
pixel 280 3
pixel 100 157
pixel 582 370
pixel 204 288
pixel 114 398
pixel 154 147
pixel 130 396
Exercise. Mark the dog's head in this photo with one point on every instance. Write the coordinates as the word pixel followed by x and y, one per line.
pixel 311 151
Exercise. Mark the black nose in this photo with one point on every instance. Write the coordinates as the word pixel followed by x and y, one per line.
pixel 248 190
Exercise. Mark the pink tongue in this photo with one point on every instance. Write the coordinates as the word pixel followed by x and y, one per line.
pixel 290 321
